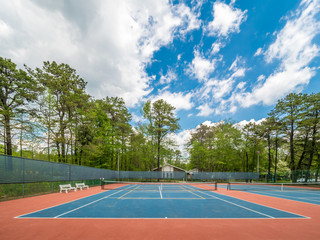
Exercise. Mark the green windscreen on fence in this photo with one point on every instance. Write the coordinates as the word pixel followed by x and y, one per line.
pixel 225 175
pixel 22 170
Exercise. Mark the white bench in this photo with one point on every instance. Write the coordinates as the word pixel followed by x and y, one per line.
pixel 81 186
pixel 66 187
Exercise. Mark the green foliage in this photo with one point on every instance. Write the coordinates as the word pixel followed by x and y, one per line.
pixel 216 148
pixel 162 121
pixel 17 89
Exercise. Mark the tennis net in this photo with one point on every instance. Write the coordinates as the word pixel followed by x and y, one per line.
pixel 244 186
pixel 156 186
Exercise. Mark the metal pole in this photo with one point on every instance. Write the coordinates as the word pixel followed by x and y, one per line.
pixel 258 162
pixel 118 166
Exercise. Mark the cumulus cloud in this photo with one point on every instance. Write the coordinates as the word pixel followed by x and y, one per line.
pixel 294 49
pixel 214 92
pixel 109 43
pixel 240 125
pixel 169 77
pixel 216 46
pixel 200 67
pixel 226 19
pixel 180 100
pixel 205 110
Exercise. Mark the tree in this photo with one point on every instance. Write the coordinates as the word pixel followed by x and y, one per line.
pixel 252 144
pixel 17 90
pixel 216 148
pixel 289 110
pixel 312 119
pixel 68 91
pixel 162 121
pixel 120 117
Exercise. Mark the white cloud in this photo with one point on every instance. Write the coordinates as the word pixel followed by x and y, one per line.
pixel 258 52
pixel 294 48
pixel 261 78
pixel 219 88
pixel 214 91
pixel 137 119
pixel 5 30
pixel 293 45
pixel 201 68
pixel 241 124
pixel 109 43
pixel 210 124
pixel 179 100
pixel 181 139
pixel 241 85
pixel 276 86
pixel 216 46
pixel 190 20
pixel 226 19
pixel 169 77
pixel 205 110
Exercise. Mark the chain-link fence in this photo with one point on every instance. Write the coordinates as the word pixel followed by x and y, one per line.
pixel 22 176
pixel 22 170
pixel 291 176
pixel 224 176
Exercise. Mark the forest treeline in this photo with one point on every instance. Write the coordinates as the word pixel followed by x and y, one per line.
pixel 286 141
pixel 46 114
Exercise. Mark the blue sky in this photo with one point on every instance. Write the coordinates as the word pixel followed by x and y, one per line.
pixel 212 60
pixel 231 81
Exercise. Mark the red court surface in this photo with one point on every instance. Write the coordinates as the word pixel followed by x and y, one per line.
pixel 13 228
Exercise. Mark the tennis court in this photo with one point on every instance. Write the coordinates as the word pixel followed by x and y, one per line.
pixel 159 200
pixel 185 211
pixel 302 192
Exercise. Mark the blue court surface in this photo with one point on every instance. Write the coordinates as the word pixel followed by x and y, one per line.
pixel 185 202
pixel 300 193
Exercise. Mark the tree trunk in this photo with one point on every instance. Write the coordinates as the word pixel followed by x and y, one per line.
pixel 269 158
pixel 8 135
pixel 292 165
pixel 303 152
pixel 276 161
pixel 313 144
pixel 20 141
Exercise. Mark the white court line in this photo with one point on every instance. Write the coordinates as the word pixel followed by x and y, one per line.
pixel 21 216
pixel 264 206
pixel 192 190
pixel 241 206
pixel 293 198
pixel 139 218
pixel 160 192
pixel 86 204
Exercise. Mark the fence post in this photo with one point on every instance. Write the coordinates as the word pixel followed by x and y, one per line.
pixel 23 170
pixel 70 173
pixel 51 176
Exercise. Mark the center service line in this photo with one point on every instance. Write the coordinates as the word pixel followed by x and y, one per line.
pixel 160 192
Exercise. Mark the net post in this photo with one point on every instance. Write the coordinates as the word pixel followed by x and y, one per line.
pixel 102 183
pixel 281 187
